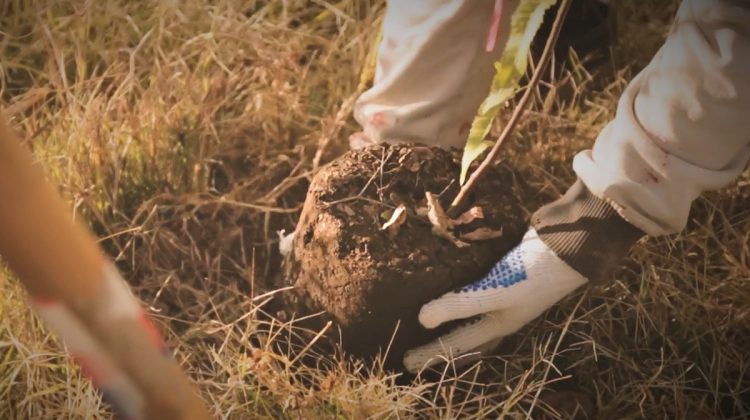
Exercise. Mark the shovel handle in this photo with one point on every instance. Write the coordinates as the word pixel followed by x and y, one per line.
pixel 80 294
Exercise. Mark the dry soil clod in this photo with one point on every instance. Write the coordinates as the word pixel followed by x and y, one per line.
pixel 368 277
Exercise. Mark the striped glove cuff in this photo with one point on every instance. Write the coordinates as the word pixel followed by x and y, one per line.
pixel 586 232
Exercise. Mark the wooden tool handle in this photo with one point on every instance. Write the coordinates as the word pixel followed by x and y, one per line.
pixel 81 295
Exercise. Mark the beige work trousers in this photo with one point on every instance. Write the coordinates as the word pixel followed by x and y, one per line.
pixel 682 125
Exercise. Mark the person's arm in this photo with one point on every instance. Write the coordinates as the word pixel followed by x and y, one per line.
pixel 81 295
pixel 681 124
pixel 680 129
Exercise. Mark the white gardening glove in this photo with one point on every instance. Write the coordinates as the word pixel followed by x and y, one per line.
pixel 519 288
pixel 577 238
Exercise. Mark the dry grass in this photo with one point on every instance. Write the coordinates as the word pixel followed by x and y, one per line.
pixel 185 132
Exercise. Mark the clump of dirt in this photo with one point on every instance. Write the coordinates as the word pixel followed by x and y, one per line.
pixel 372 282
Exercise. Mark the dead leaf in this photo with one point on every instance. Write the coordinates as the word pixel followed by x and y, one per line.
pixel 397 219
pixel 468 216
pixel 449 236
pixel 435 211
pixel 440 221
pixel 482 234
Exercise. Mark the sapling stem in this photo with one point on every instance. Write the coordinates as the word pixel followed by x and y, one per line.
pixel 460 200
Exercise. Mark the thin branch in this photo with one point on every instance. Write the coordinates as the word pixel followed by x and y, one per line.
pixel 463 194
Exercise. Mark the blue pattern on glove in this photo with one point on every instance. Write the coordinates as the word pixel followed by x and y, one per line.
pixel 509 271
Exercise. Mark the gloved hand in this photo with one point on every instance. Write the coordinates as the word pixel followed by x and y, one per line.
pixel 576 239
pixel 526 282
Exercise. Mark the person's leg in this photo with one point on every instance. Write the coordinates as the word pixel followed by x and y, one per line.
pixel 682 124
pixel 433 70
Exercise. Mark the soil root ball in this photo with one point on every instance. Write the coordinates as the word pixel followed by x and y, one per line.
pixel 372 280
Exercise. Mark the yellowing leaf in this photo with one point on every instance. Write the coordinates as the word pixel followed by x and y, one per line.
pixel 525 23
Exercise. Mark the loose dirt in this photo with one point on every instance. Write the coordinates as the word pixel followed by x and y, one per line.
pixel 372 282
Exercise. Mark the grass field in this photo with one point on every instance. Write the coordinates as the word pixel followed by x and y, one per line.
pixel 185 132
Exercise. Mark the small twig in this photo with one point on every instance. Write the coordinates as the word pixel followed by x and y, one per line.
pixel 332 128
pixel 463 194
pixel 311 342
pixel 258 207
pixel 555 352
pixel 355 198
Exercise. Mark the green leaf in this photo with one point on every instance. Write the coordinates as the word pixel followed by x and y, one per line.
pixel 525 23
